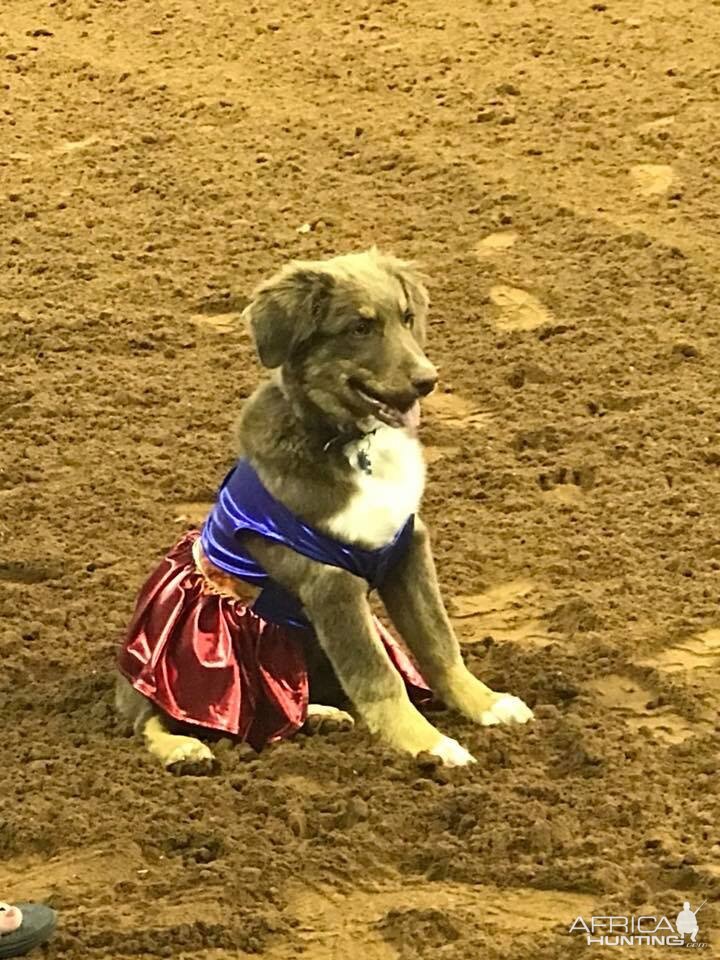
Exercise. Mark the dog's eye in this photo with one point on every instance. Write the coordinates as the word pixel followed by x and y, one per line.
pixel 362 327
pixel 408 318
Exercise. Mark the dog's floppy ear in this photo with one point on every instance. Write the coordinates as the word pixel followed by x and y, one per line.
pixel 413 283
pixel 286 309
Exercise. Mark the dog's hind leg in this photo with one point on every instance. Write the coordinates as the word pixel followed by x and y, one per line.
pixel 132 706
pixel 178 754
pixel 324 719
pixel 325 713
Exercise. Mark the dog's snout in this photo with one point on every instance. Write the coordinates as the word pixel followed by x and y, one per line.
pixel 425 384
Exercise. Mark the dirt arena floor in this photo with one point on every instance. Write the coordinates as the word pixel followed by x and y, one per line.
pixel 555 167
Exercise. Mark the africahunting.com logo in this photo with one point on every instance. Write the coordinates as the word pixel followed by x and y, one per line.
pixel 644 931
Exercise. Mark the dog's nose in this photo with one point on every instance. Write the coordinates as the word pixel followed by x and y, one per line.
pixel 425 385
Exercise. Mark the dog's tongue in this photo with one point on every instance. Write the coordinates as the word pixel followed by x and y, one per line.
pixel 411 417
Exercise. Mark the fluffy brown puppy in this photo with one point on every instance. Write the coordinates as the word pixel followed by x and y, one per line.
pixel 345 338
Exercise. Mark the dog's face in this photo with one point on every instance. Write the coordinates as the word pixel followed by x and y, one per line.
pixel 349 332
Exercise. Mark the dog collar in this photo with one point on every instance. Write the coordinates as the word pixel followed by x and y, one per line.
pixel 362 459
pixel 352 435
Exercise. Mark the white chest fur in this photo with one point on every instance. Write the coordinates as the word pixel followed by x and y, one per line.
pixel 385 497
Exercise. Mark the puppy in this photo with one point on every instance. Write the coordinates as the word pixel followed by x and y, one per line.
pixel 332 437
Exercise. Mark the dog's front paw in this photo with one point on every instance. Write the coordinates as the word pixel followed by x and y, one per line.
pixel 190 756
pixel 452 753
pixel 475 700
pixel 506 709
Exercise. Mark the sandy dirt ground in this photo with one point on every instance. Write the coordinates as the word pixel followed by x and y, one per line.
pixel 555 167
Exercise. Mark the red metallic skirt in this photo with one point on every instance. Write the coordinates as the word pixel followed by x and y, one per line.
pixel 196 649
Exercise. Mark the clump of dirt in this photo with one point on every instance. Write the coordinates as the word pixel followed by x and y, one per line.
pixel 155 168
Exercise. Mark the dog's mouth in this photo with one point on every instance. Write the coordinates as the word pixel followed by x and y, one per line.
pixel 390 411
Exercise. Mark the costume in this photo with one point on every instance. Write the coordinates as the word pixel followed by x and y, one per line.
pixel 225 662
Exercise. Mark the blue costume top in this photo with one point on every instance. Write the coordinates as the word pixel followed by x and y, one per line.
pixel 243 503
